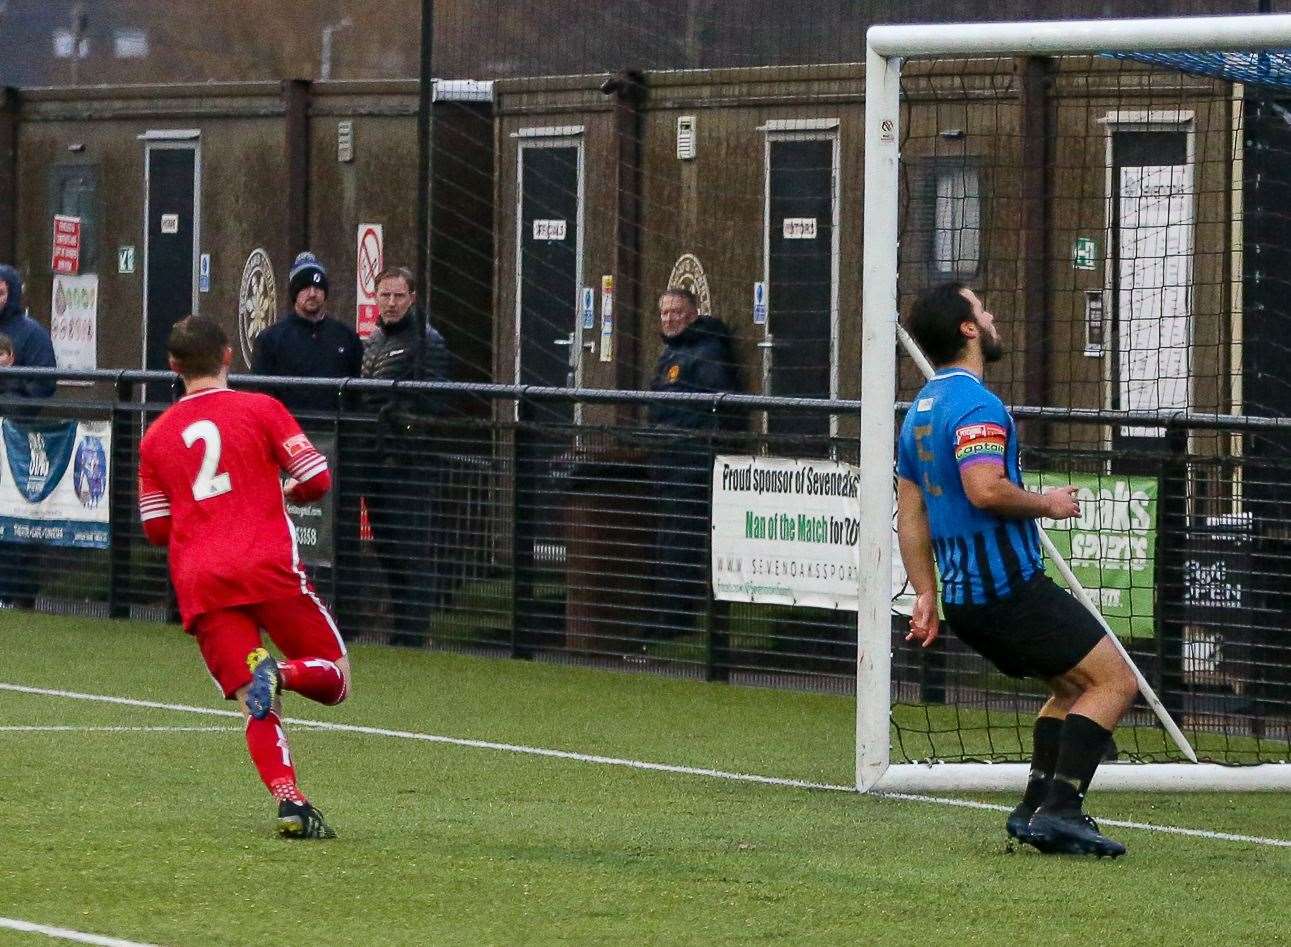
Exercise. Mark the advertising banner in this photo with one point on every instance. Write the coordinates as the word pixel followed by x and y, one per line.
pixel 54 483
pixel 785 531
pixel 1111 546
pixel 315 523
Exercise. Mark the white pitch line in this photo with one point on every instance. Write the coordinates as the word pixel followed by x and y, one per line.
pixel 63 933
pixel 1119 823
pixel 435 738
pixel 627 763
pixel 120 729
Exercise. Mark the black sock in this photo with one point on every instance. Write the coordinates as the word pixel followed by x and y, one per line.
pixel 1044 758
pixel 1079 753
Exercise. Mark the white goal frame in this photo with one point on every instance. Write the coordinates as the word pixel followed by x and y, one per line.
pixel 886 47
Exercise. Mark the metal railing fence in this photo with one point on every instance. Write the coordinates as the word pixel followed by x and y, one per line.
pixel 558 524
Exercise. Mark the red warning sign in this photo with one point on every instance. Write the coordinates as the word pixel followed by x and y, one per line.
pixel 67 245
pixel 371 254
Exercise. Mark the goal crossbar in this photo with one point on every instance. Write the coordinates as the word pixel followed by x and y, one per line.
pixel 886 46
pixel 1074 37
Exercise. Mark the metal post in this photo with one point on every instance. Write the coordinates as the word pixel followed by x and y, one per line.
pixel 1172 543
pixel 425 106
pixel 121 484
pixel 878 394
pixel 717 615
pixel 517 651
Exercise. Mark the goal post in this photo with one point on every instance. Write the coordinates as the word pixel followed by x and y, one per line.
pixel 887 48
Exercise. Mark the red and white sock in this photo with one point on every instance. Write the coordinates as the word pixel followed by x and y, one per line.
pixel 267 742
pixel 315 678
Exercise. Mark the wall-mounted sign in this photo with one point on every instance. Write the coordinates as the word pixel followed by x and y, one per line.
pixel 549 230
pixel 345 141
pixel 170 223
pixel 204 273
pixel 688 273
pixel 371 261
pixel 257 300
pixel 1084 254
pixel 1095 330
pixel 759 304
pixel 73 322
pixel 67 245
pixel 125 260
pixel 588 307
pixel 607 318
pixel 799 228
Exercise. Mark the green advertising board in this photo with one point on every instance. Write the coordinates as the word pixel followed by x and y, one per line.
pixel 1111 546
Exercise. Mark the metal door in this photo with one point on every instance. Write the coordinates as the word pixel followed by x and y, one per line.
pixel 548 354
pixel 549 248
pixel 802 260
pixel 170 243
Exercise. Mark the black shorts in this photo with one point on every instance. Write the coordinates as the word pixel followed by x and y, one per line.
pixel 1040 631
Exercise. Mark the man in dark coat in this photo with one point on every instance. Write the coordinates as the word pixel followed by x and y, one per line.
pixel 398 465
pixel 307 343
pixel 698 356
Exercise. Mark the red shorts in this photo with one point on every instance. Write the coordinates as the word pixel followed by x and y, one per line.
pixel 301 627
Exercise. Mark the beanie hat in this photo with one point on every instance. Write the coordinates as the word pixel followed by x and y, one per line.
pixel 305 271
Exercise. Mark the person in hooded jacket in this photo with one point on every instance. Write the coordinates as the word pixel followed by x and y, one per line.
pixel 32 347
pixel 699 357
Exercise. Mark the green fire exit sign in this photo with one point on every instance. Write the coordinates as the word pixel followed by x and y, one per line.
pixel 1084 254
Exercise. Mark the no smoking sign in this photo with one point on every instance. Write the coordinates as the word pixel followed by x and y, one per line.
pixel 370 262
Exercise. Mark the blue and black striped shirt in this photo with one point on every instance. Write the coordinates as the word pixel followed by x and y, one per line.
pixel 957 422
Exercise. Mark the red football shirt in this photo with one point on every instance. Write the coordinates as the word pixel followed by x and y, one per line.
pixel 211 463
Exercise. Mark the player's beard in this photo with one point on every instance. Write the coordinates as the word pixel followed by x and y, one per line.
pixel 992 347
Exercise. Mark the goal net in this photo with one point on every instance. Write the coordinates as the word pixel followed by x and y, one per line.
pixel 1116 192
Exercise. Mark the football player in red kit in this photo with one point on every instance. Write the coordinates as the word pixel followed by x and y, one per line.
pixel 210 490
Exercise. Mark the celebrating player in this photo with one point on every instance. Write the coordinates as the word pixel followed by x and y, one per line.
pixel 960 496
pixel 209 488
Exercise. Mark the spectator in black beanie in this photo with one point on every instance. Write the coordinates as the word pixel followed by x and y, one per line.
pixel 306 343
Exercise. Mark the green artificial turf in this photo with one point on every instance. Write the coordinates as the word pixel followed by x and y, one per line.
pixel 165 837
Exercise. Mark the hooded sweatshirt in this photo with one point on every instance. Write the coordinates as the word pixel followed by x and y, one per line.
pixel 31 345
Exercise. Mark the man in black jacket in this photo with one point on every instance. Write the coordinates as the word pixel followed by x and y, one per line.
pixel 400 470
pixel 698 356
pixel 306 343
